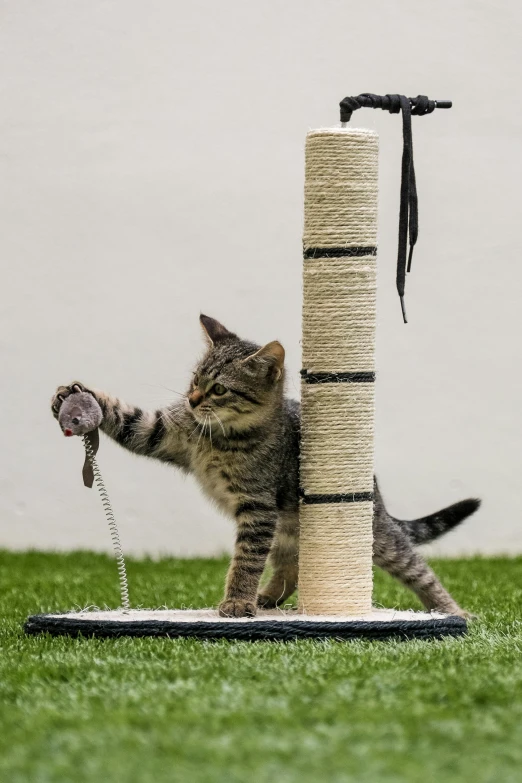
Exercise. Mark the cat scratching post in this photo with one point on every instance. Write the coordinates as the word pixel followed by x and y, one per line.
pixel 337 391
pixel 335 574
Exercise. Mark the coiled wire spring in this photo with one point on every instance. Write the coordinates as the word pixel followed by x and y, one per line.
pixel 113 528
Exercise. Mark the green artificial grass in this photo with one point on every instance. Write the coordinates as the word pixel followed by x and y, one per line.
pixel 154 710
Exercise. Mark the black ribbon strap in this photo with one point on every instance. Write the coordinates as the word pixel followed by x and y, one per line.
pixel 409 212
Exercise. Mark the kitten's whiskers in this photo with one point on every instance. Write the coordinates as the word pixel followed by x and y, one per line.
pixel 202 430
pixel 220 423
pixel 160 386
pixel 198 425
pixel 170 417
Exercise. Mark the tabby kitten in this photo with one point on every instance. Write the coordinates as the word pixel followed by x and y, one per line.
pixel 239 436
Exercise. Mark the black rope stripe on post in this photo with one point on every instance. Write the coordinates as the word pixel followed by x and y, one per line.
pixel 409 212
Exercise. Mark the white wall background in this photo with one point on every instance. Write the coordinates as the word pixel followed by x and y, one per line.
pixel 152 168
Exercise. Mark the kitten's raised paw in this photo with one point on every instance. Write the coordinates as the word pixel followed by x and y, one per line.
pixel 62 392
pixel 237 607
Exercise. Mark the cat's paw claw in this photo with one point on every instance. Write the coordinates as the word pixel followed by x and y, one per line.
pixel 237 607
pixel 62 392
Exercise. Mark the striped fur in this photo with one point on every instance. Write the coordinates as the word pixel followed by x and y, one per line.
pixel 239 436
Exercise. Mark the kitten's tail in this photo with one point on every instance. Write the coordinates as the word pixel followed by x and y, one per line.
pixel 426 529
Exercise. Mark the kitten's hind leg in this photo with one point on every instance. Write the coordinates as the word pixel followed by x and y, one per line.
pixel 395 554
pixel 280 587
pixel 284 560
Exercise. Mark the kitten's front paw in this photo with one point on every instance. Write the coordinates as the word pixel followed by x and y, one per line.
pixel 237 607
pixel 61 393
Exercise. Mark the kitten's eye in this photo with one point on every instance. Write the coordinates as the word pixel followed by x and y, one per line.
pixel 218 389
pixel 195 380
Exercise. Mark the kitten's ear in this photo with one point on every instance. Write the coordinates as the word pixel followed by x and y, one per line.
pixel 274 355
pixel 213 330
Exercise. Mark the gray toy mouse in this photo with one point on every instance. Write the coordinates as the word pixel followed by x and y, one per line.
pixel 80 414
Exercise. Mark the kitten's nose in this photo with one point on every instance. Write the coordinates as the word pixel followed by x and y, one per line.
pixel 195 398
pixel 75 420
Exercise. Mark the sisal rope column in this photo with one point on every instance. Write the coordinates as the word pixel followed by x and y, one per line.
pixel 337 448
